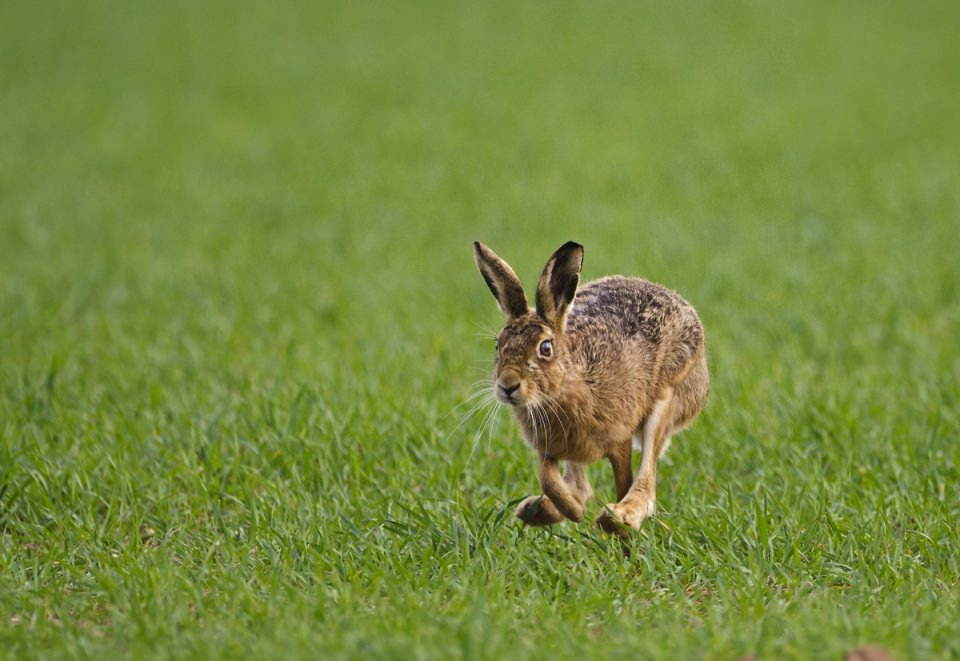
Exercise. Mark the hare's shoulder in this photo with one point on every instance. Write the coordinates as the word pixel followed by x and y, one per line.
pixel 630 307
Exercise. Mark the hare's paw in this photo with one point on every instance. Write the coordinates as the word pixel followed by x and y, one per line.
pixel 619 518
pixel 610 522
pixel 538 511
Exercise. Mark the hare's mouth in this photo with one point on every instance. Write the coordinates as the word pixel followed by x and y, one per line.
pixel 509 393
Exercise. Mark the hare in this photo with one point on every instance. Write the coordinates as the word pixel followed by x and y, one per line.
pixel 591 372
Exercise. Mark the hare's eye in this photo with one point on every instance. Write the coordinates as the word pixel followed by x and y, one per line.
pixel 546 349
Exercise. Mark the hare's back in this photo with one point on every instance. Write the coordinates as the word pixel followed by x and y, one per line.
pixel 633 308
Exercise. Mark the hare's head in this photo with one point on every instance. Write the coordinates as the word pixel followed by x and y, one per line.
pixel 531 348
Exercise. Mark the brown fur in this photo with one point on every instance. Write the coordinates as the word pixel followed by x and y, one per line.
pixel 627 359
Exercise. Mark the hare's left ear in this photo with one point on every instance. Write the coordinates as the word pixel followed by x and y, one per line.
pixel 558 284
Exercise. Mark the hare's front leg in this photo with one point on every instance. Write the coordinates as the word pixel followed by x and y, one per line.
pixel 640 498
pixel 562 497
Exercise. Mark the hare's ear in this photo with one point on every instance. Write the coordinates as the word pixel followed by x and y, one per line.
pixel 558 284
pixel 502 281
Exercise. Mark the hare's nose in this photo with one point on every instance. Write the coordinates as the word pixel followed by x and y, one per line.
pixel 509 390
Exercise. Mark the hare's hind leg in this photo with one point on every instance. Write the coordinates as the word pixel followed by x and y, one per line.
pixel 563 497
pixel 621 461
pixel 639 502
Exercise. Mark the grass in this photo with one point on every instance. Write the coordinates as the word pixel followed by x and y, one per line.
pixel 238 312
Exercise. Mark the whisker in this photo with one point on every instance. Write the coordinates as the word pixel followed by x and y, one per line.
pixel 486 329
pixel 540 426
pixel 483 389
pixel 477 406
pixel 533 421
pixel 545 451
pixel 486 426
pixel 469 398
pixel 544 422
pixel 551 404
pixel 473 409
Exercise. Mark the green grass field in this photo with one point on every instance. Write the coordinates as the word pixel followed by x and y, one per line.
pixel 239 317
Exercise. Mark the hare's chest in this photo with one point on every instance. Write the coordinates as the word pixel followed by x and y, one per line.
pixel 563 444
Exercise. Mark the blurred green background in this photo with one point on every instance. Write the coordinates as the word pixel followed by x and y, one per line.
pixel 238 312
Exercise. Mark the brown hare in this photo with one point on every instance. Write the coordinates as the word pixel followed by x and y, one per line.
pixel 589 373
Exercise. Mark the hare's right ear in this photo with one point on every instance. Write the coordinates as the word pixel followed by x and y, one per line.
pixel 502 281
